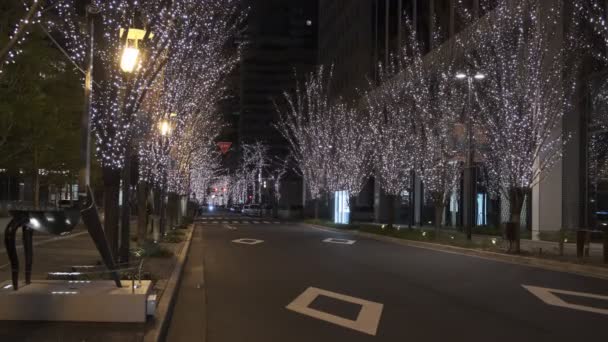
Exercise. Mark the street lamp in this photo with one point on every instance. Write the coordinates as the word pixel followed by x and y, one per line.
pixel 469 184
pixel 129 60
pixel 164 127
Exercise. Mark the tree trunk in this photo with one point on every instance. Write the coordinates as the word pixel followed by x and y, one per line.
pixel 125 224
pixel 439 207
pixel 275 208
pixel 516 201
pixel 412 199
pixel 316 204
pixel 390 199
pixel 171 209
pixel 163 210
pixel 111 189
pixel 606 246
pixel 36 189
pixel 352 200
pixel 142 211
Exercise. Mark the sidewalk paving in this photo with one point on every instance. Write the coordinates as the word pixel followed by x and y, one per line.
pixel 59 255
pixel 596 250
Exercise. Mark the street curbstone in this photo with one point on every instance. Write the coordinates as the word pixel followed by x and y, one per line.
pixel 165 306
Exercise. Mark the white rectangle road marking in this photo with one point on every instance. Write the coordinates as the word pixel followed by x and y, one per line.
pixel 339 241
pixel 367 320
pixel 548 296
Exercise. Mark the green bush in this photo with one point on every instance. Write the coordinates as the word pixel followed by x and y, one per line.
pixel 174 236
pixel 488 230
pixel 151 250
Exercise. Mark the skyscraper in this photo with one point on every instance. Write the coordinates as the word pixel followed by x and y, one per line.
pixel 280 43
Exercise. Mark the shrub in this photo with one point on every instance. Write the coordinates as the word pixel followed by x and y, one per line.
pixel 174 236
pixel 151 250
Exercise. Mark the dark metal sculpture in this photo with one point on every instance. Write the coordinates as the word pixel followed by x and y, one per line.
pixel 55 223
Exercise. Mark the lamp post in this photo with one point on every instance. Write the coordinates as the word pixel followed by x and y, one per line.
pixel 164 127
pixel 84 176
pixel 129 63
pixel 469 168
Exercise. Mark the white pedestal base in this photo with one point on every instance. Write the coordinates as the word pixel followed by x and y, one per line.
pixel 80 301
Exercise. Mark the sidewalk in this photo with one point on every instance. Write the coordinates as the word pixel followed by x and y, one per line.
pixel 587 267
pixel 78 249
pixel 596 250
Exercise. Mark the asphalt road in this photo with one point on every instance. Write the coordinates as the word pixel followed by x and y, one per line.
pixel 294 287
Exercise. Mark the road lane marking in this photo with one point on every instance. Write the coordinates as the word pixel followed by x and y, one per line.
pixel 340 241
pixel 367 320
pixel 230 227
pixel 255 222
pixel 548 297
pixel 214 222
pixel 247 241
pixel 266 222
pixel 276 222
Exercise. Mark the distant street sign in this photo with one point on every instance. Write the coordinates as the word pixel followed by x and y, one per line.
pixel 224 146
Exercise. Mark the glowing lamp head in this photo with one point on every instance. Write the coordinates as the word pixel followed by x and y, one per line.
pixel 480 76
pixel 461 76
pixel 164 127
pixel 129 59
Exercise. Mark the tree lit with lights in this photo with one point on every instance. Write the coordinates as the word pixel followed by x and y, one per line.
pixel 522 100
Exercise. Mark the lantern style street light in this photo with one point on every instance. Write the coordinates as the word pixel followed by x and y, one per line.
pixel 164 127
pixel 130 60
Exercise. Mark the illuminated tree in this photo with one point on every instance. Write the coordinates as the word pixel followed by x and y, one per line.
pixel 22 15
pixel 523 100
pixel 306 125
pixel 254 163
pixel 329 139
pixel 394 128
pixel 348 163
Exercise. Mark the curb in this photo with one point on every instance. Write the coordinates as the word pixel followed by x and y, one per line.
pixel 551 265
pixel 164 308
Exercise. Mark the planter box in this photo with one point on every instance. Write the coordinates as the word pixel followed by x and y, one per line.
pixel 75 301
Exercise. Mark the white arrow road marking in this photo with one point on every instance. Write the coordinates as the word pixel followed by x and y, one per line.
pixel 246 241
pixel 367 320
pixel 340 241
pixel 547 296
